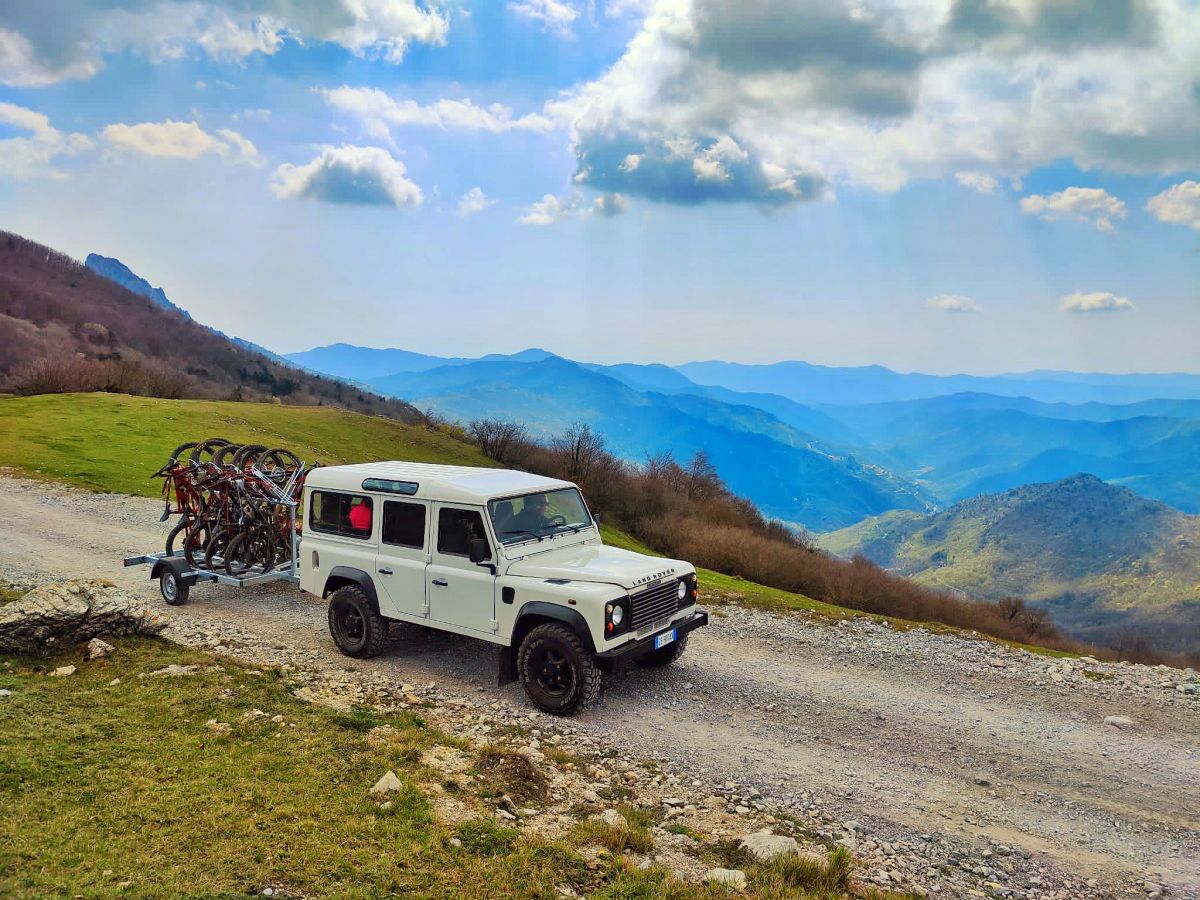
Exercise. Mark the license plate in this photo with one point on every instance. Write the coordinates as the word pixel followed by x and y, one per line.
pixel 663 639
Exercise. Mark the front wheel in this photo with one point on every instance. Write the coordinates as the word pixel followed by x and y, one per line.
pixel 656 659
pixel 559 673
pixel 355 625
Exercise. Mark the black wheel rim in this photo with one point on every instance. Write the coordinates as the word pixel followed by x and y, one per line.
pixel 553 671
pixel 350 625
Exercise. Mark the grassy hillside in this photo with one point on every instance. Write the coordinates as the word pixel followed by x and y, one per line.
pixel 113 442
pixel 1098 555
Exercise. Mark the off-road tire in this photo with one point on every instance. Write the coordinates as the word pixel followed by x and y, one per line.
pixel 355 624
pixel 537 665
pixel 173 592
pixel 657 659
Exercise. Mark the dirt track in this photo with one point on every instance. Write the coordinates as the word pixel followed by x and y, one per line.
pixel 919 738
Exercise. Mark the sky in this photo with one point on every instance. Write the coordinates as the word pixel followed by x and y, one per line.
pixel 933 185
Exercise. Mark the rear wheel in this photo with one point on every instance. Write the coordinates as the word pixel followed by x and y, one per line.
pixel 172 590
pixel 355 624
pixel 656 659
pixel 559 673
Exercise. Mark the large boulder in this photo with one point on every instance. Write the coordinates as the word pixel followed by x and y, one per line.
pixel 69 613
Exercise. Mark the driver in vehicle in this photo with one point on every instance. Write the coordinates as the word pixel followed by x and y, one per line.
pixel 533 515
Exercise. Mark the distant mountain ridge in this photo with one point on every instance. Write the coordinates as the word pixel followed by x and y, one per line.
pixel 1098 555
pixel 115 270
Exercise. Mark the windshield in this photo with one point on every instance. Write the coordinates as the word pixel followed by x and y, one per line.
pixel 538 515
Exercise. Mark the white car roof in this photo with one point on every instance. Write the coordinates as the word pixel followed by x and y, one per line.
pixel 470 485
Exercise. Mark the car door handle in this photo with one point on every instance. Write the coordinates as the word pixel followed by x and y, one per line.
pixel 385 571
pixel 440 582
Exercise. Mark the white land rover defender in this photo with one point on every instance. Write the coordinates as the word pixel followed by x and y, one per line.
pixel 503 556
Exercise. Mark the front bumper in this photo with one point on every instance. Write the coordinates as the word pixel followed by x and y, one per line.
pixel 698 619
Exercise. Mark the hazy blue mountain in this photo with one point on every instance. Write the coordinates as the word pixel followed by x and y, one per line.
pixel 968 444
pixel 366 363
pixel 807 383
pixel 784 471
pixel 115 270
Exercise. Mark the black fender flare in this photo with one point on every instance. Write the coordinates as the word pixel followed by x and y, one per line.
pixel 184 574
pixel 543 609
pixel 357 576
pixel 538 611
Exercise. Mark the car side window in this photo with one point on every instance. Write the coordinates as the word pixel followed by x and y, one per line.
pixel 404 524
pixel 457 528
pixel 347 515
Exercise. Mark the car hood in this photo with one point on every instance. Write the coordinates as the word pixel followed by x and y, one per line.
pixel 599 564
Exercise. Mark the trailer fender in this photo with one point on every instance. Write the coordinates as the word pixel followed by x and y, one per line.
pixel 184 574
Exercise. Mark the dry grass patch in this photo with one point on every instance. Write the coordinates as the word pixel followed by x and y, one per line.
pixel 505 772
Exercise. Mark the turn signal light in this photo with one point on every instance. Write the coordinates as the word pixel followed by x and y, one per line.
pixel 609 627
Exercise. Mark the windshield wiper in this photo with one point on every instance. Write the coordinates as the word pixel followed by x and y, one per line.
pixel 532 534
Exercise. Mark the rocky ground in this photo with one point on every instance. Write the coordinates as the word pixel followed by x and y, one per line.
pixel 949 766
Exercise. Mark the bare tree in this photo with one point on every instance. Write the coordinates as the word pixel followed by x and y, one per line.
pixel 498 439
pixel 703 481
pixel 578 449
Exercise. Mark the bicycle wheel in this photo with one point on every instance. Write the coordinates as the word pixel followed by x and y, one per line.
pixel 248 551
pixel 194 544
pixel 175 534
pixel 217 546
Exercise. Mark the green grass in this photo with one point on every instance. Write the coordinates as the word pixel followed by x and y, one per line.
pixel 123 789
pixel 114 442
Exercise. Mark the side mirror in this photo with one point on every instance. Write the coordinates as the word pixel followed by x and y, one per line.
pixel 478 551
pixel 596 519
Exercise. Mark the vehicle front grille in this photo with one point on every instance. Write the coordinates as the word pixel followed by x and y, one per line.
pixel 654 603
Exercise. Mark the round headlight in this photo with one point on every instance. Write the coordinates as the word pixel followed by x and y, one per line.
pixel 682 589
pixel 618 614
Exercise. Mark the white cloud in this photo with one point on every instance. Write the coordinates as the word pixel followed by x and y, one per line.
pixel 380 112
pixel 228 39
pixel 630 163
pixel 1092 205
pixel 474 201
pixel 876 93
pixel 352 175
pixel 33 154
pixel 554 16
pixel 551 209
pixel 1179 203
pixel 252 115
pixel 179 140
pixel 953 303
pixel 977 181
pixel 40 44
pixel 1096 302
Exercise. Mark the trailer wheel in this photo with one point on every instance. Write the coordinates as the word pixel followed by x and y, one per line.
pixel 172 589
pixel 355 625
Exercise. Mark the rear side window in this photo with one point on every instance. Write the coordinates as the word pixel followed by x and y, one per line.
pixel 457 528
pixel 348 515
pixel 404 524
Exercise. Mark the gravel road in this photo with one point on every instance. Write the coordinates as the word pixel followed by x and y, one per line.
pixel 961 768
